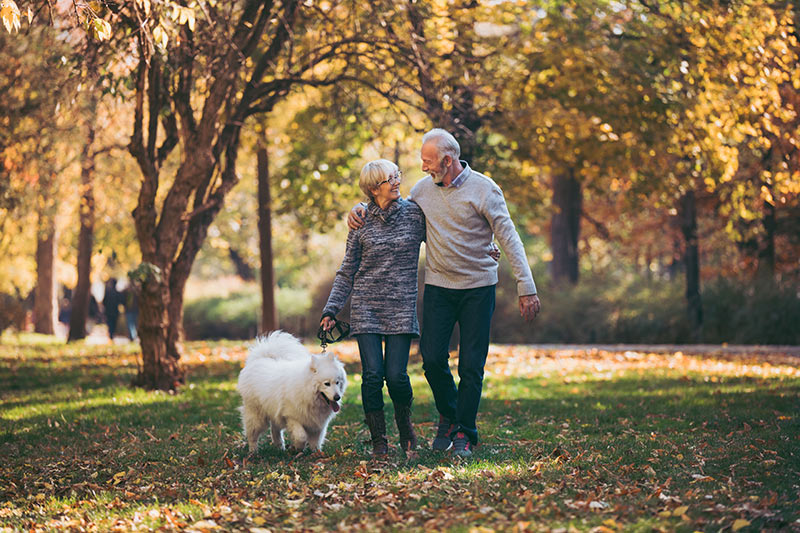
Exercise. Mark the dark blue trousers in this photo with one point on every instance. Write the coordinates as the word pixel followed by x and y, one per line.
pixel 377 366
pixel 472 309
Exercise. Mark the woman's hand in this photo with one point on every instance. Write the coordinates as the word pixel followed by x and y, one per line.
pixel 495 253
pixel 327 323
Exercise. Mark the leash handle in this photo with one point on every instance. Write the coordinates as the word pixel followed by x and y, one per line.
pixel 339 331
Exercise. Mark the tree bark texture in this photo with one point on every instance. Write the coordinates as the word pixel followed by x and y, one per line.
pixel 565 226
pixel 82 292
pixel 766 244
pixel 269 313
pixel 243 269
pixel 687 211
pixel 160 369
pixel 45 305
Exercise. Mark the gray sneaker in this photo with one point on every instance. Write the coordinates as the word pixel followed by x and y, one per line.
pixel 462 447
pixel 443 440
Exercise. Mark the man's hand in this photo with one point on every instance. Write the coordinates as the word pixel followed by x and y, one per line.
pixel 327 323
pixel 356 217
pixel 529 306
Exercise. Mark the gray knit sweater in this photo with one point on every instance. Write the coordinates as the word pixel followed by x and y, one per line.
pixel 461 223
pixel 380 270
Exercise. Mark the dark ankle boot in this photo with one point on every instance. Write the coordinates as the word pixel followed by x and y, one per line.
pixel 377 430
pixel 408 439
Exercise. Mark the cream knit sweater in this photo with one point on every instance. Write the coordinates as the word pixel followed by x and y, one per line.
pixel 461 223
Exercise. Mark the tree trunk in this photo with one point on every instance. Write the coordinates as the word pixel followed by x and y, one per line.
pixel 82 293
pixel 269 313
pixel 160 368
pixel 177 289
pixel 243 270
pixel 687 211
pixel 565 227
pixel 766 245
pixel 44 305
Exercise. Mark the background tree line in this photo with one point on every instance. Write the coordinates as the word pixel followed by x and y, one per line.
pixel 653 139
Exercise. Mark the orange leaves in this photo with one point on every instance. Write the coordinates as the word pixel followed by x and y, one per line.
pixel 573 364
pixel 9 13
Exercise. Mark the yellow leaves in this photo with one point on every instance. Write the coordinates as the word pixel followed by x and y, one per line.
pixel 100 29
pixel 9 12
pixel 183 15
pixel 144 5
pixel 160 36
pixel 739 524
pixel 698 40
pixel 766 195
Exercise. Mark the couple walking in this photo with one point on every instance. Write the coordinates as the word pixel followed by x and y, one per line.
pixel 457 212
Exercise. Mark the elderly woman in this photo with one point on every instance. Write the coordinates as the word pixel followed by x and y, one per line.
pixel 380 270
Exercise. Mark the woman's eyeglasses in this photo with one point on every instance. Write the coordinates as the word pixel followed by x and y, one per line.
pixel 393 180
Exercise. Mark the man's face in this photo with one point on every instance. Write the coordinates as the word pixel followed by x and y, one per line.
pixel 433 163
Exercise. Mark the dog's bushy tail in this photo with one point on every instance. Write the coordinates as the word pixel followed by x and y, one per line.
pixel 278 345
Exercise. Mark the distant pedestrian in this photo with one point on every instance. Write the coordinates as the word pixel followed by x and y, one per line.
pixel 111 301
pixel 131 304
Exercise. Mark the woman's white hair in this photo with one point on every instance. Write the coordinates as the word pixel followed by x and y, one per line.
pixel 446 144
pixel 373 173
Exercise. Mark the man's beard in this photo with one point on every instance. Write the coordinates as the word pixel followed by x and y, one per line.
pixel 438 176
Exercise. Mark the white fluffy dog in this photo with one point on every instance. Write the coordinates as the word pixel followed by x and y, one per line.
pixel 285 387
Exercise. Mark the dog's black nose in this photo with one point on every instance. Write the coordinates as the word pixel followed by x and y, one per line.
pixel 336 398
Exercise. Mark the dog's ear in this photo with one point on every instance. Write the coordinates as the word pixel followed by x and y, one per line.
pixel 314 364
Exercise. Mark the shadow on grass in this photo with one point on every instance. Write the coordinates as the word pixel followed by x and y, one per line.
pixel 557 443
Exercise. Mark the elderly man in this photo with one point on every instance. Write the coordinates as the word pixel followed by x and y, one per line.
pixel 464 211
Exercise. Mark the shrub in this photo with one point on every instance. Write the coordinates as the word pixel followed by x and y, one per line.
pixel 12 312
pixel 223 317
pixel 238 315
pixel 605 309
pixel 743 312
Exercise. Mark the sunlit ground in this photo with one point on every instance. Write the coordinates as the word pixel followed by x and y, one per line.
pixel 572 439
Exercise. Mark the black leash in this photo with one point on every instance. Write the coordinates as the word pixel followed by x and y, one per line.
pixel 339 331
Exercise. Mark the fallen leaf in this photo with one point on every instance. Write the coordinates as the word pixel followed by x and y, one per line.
pixel 739 524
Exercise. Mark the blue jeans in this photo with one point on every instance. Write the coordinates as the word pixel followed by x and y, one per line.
pixel 375 368
pixel 131 318
pixel 441 309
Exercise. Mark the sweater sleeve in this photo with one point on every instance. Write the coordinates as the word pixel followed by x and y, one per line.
pixel 496 212
pixel 343 282
pixel 420 220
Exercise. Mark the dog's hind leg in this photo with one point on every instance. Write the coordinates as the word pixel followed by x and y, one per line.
pixel 277 435
pixel 254 425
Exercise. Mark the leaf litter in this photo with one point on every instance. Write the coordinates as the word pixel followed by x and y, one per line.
pixel 575 440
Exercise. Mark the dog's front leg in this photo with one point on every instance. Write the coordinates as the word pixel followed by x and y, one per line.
pixel 298 434
pixel 277 435
pixel 315 439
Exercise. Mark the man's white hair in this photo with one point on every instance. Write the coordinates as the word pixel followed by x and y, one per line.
pixel 446 144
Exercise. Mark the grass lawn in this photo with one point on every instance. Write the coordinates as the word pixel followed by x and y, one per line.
pixel 581 440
